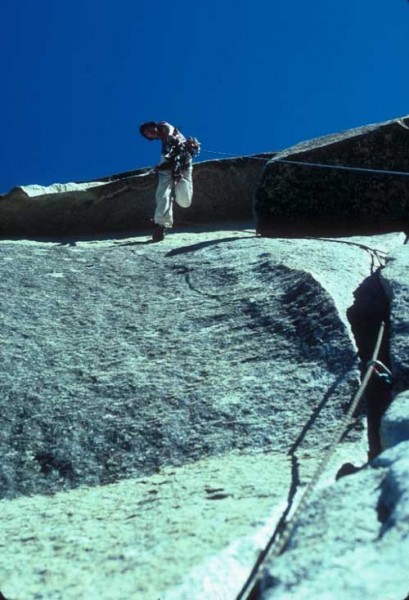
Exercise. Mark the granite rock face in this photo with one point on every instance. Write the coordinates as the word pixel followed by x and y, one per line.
pixel 198 380
pixel 223 191
pixel 121 359
pixel 395 423
pixel 394 279
pixel 352 540
pixel 164 405
pixel 301 200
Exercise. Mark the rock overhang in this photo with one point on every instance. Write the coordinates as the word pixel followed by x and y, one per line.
pixel 223 191
pixel 354 182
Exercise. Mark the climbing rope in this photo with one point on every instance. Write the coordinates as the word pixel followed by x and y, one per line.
pixel 302 163
pixel 318 165
pixel 344 168
pixel 402 123
pixel 285 529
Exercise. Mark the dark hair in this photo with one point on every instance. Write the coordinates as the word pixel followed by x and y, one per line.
pixel 146 125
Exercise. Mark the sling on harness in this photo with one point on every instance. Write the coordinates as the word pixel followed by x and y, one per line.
pixel 180 155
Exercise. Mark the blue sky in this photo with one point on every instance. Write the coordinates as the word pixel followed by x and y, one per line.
pixel 244 77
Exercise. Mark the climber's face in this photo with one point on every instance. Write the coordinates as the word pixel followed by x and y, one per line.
pixel 151 133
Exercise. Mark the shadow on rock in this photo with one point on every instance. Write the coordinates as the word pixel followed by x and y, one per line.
pixel 200 246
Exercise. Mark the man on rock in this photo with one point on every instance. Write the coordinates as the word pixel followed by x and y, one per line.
pixel 174 171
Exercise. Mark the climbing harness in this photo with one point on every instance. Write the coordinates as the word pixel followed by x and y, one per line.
pixel 180 154
pixel 285 528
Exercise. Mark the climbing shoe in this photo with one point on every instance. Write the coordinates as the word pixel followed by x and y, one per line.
pixel 158 233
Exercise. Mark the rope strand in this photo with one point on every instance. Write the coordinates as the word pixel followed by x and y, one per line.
pixel 271 552
pixel 318 165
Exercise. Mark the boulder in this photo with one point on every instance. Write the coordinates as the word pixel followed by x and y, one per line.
pixel 367 193
pixel 223 191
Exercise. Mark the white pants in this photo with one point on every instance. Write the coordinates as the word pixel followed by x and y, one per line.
pixel 181 191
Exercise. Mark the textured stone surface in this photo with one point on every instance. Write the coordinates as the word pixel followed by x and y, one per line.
pixel 140 537
pixel 395 423
pixel 216 365
pixel 223 190
pixel 395 281
pixel 120 359
pixel 200 381
pixel 300 200
pixel 352 540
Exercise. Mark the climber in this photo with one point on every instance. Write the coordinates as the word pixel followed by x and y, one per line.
pixel 174 171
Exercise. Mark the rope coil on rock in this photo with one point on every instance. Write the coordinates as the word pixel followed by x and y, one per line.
pixel 271 550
